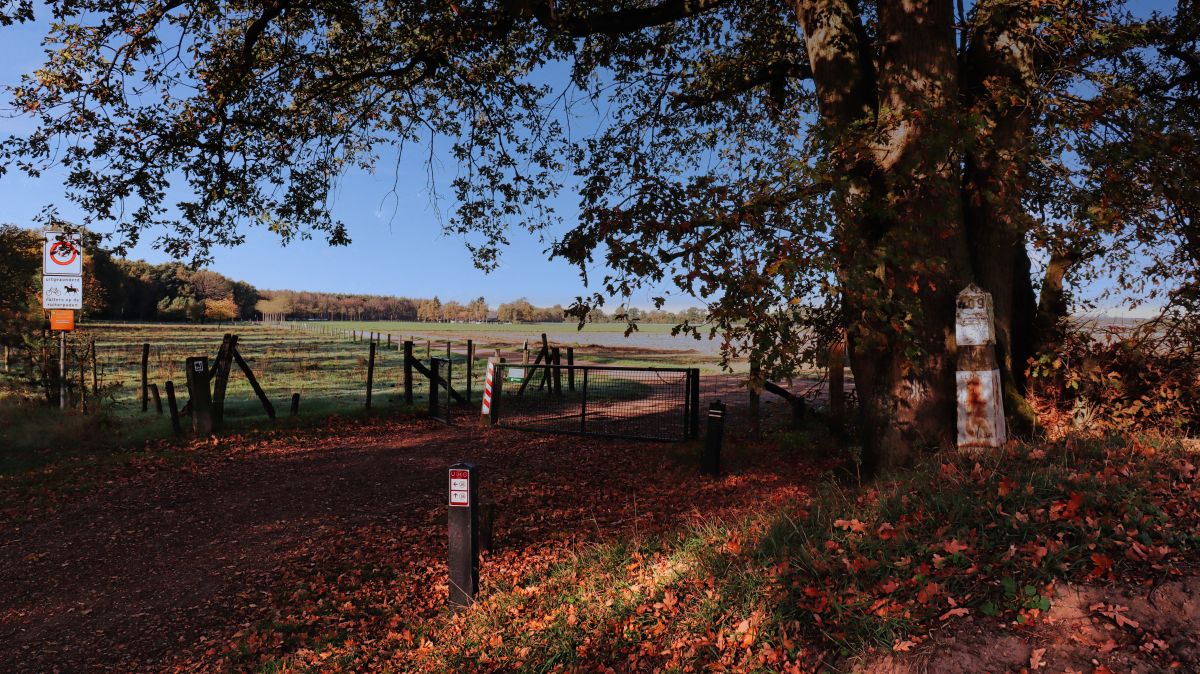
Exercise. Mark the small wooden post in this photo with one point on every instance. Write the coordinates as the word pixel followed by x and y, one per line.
pixel 174 409
pixel 295 404
pixel 145 377
pixel 463 524
pixel 408 372
pixel 370 373
pixel 157 400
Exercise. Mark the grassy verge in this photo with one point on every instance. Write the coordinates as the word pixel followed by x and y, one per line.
pixel 47 455
pixel 854 570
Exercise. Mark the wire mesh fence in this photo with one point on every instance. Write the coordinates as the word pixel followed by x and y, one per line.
pixel 622 402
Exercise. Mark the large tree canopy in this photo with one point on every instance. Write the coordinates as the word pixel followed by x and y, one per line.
pixel 807 166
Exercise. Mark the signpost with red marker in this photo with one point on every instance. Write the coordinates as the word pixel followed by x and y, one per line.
pixel 463 522
pixel 62 294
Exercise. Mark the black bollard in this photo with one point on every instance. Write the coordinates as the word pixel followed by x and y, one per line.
pixel 710 463
pixel 463 523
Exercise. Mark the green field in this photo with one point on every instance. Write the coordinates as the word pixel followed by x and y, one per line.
pixel 327 367
pixel 328 371
pixel 318 360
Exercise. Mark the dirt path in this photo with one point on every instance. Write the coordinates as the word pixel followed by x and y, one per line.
pixel 171 568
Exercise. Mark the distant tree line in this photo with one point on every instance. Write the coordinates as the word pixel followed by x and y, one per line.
pixel 118 289
pixel 306 305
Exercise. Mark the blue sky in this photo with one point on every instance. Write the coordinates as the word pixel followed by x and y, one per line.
pixel 398 246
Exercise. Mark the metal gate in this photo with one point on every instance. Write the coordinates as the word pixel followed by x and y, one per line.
pixel 641 403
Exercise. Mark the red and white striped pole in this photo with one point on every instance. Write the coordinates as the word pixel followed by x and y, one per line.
pixel 491 387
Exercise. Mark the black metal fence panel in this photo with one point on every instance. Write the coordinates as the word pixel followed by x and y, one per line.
pixel 622 402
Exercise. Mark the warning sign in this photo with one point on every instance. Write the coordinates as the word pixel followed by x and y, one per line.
pixel 515 374
pixel 62 256
pixel 62 319
pixel 460 487
pixel 62 292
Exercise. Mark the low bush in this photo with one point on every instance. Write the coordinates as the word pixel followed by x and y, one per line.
pixel 1134 379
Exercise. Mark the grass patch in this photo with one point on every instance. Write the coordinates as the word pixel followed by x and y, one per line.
pixel 854 569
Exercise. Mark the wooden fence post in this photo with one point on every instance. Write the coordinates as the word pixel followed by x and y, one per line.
pixel 145 378
pixel 370 373
pixel 157 399
pixel 408 370
pixel 295 404
pixel 174 408
pixel 262 397
pixel 221 374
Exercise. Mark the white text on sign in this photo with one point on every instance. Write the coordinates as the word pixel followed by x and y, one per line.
pixel 62 292
pixel 460 494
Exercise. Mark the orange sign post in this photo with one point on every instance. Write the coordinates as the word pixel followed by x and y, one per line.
pixel 62 319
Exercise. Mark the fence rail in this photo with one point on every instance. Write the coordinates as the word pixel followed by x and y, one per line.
pixel 641 403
